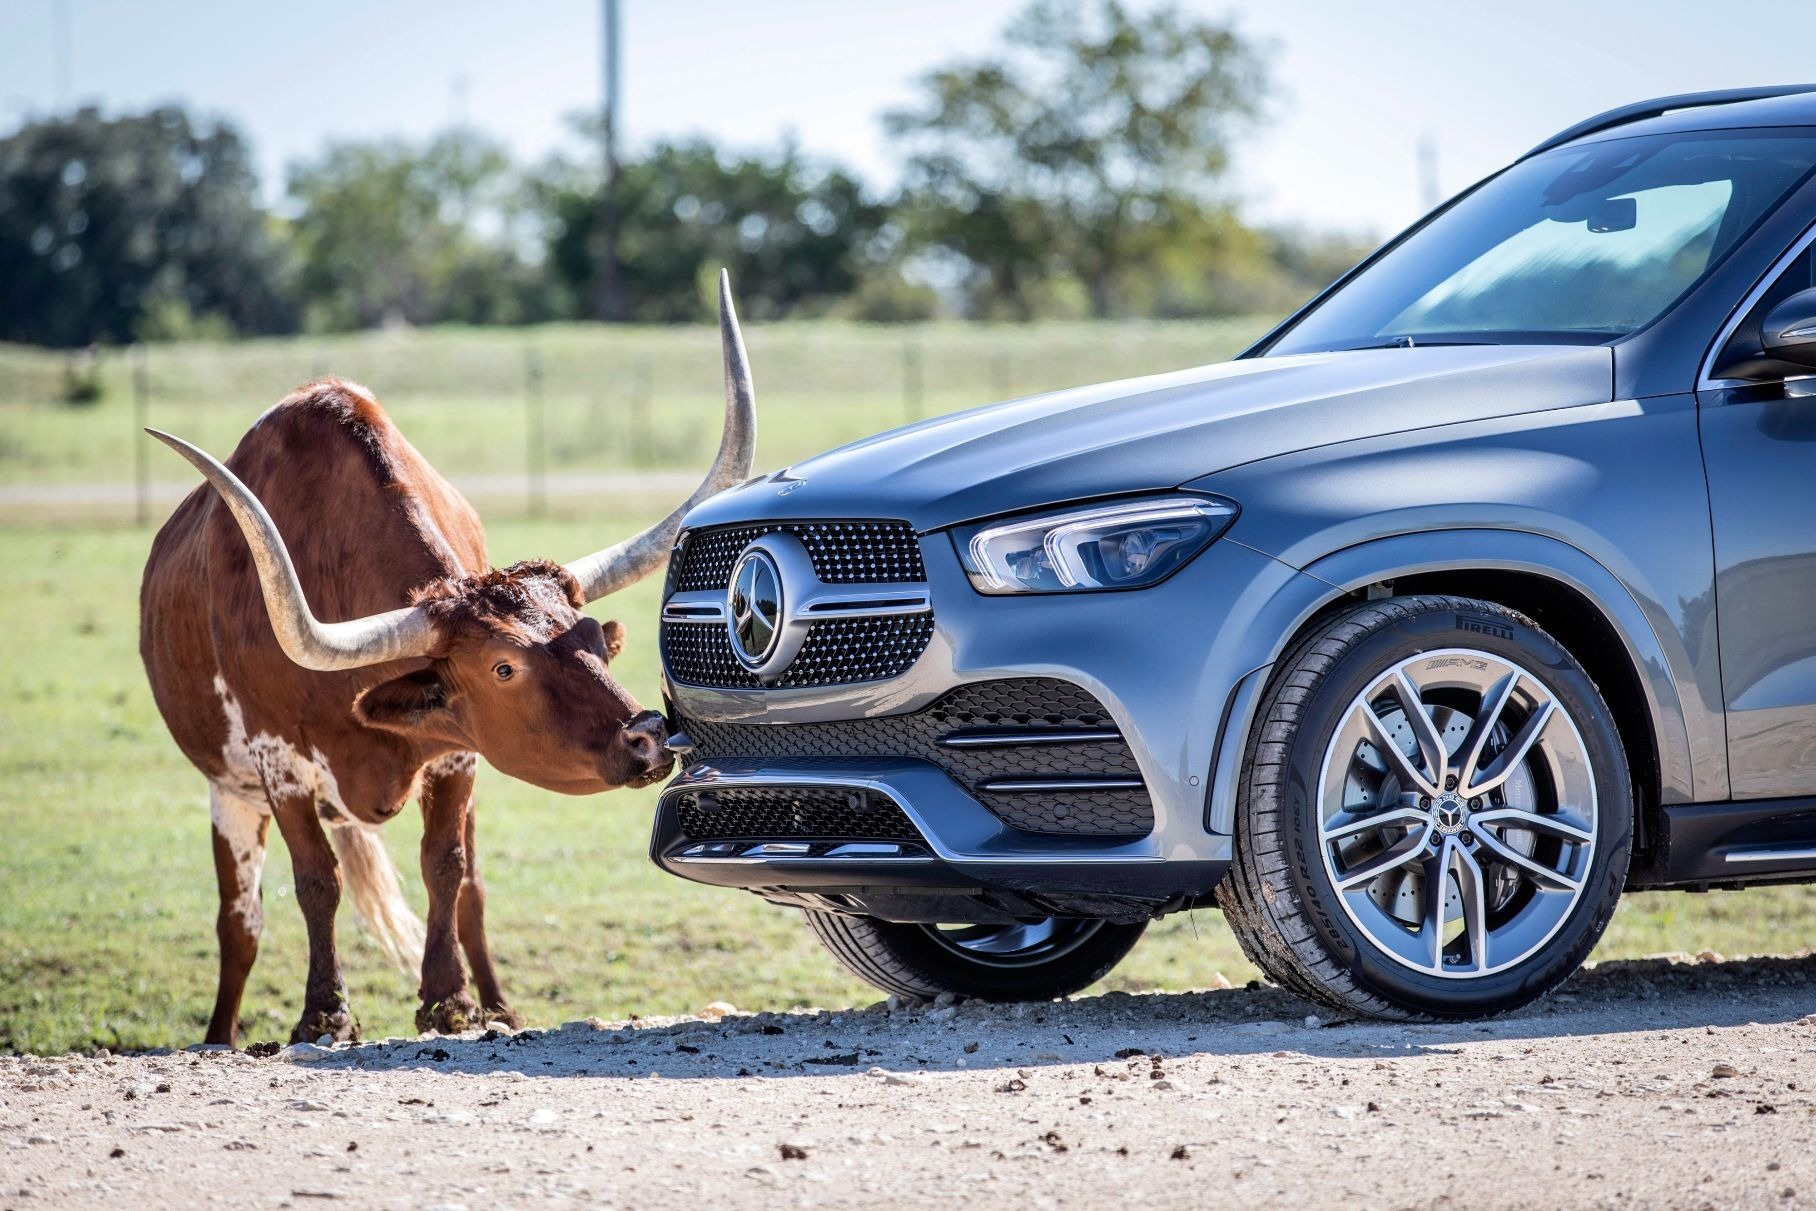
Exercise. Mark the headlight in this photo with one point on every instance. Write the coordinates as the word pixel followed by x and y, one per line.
pixel 1126 545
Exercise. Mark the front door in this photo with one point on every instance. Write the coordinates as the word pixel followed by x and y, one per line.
pixel 1759 445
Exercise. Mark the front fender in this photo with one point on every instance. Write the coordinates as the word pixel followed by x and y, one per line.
pixel 1680 736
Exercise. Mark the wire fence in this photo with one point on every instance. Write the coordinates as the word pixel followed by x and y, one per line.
pixel 524 418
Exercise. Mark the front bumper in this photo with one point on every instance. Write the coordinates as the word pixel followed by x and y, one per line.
pixel 1166 663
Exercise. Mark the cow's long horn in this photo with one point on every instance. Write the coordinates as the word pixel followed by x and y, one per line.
pixel 324 646
pixel 631 560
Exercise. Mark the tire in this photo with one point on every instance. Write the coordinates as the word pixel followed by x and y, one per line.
pixel 1063 955
pixel 1323 804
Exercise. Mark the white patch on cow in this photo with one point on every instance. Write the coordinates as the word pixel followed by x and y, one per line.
pixel 450 764
pixel 239 822
pixel 262 765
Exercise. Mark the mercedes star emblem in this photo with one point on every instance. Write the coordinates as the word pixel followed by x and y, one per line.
pixel 755 600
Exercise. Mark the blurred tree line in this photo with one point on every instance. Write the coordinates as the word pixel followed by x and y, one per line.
pixel 1079 169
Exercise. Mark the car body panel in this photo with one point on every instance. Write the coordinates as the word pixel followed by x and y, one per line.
pixel 1760 449
pixel 1149 433
pixel 1610 497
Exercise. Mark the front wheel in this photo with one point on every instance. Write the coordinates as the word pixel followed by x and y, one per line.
pixel 1435 815
pixel 1025 961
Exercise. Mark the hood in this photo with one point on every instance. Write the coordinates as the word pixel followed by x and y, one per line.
pixel 1158 432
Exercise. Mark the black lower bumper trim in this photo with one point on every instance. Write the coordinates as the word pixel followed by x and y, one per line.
pixel 928 889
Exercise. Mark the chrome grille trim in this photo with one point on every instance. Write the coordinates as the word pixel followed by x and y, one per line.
pixel 1028 786
pixel 1014 739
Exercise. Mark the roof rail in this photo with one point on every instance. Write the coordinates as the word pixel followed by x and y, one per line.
pixel 1640 110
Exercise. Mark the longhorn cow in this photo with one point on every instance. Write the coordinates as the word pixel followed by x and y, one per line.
pixel 428 656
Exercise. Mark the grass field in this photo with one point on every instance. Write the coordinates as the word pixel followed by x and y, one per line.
pixel 106 888
pixel 610 398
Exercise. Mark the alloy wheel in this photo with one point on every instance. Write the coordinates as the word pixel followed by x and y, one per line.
pixel 1457 813
pixel 1023 944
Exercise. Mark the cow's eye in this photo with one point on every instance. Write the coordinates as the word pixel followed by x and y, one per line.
pixel 503 671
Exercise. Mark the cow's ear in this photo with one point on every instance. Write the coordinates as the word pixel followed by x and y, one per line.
pixel 407 703
pixel 614 638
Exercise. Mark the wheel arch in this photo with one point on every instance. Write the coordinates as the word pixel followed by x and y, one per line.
pixel 1567 592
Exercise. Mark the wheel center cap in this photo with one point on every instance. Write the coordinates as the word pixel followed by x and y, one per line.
pixel 1449 814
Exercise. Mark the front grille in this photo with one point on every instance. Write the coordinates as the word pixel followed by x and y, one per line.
pixel 1014 715
pixel 858 649
pixel 843 552
pixel 841 651
pixel 770 813
pixel 700 654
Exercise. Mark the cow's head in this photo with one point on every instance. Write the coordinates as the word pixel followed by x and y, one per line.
pixel 521 675
pixel 515 670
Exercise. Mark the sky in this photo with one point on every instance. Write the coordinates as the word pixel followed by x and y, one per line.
pixel 1359 87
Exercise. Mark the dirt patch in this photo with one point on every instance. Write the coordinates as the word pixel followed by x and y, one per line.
pixel 1663 1082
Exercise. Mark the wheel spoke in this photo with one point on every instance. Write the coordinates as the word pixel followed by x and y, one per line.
pixel 1431 918
pixel 1509 758
pixel 1557 826
pixel 1494 702
pixel 1431 744
pixel 1473 884
pixel 1391 858
pixel 1402 764
pixel 1348 824
pixel 1538 872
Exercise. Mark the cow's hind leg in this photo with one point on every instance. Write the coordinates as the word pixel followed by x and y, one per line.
pixel 318 891
pixel 239 864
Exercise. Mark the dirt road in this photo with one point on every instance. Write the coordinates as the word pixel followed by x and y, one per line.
pixel 1658 1083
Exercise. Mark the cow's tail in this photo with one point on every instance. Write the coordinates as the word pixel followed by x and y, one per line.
pixel 370 878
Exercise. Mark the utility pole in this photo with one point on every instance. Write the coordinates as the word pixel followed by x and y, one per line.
pixel 59 37
pixel 1429 195
pixel 608 292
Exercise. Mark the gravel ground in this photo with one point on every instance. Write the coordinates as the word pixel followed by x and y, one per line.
pixel 1670 1082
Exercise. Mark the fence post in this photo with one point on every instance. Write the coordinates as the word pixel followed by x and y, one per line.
pixel 536 457
pixel 141 443
pixel 1004 381
pixel 643 387
pixel 911 380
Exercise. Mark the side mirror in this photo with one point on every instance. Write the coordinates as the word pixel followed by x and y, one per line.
pixel 1789 331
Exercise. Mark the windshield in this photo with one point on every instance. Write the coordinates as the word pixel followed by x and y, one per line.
pixel 1580 245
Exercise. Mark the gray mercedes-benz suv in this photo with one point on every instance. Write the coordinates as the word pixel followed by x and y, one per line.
pixel 1482 588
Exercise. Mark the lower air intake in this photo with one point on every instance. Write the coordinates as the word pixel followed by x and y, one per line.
pixel 772 813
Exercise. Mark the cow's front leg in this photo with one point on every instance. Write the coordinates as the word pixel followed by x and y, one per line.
pixel 446 1007
pixel 472 922
pixel 318 889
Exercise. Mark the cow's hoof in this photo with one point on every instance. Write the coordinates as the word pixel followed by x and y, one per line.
pixel 503 1013
pixel 337 1022
pixel 450 1015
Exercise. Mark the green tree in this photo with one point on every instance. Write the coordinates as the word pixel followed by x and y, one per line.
pixel 390 231
pixel 147 224
pixel 1089 145
pixel 795 237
